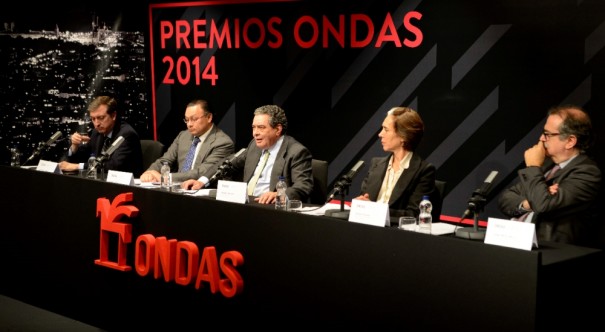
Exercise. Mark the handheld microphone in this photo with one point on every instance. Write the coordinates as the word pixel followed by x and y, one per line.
pixel 482 192
pixel 223 168
pixel 345 181
pixel 43 146
pixel 106 154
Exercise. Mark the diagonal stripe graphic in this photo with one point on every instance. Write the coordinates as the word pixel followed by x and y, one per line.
pixel 477 51
pixel 366 57
pixel 456 139
pixel 594 42
pixel 367 132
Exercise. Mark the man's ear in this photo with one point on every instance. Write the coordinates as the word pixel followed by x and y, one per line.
pixel 572 141
pixel 279 129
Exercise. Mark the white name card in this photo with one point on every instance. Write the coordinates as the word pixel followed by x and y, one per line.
pixel 48 166
pixel 510 233
pixel 120 177
pixel 232 191
pixel 369 213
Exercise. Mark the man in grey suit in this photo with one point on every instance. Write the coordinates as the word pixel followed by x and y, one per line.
pixel 562 204
pixel 282 155
pixel 208 145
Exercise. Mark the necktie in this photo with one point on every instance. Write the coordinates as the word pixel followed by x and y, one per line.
pixel 190 154
pixel 552 172
pixel 106 144
pixel 547 177
pixel 259 170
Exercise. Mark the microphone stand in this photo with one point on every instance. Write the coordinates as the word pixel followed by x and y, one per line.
pixel 475 205
pixel 38 151
pixel 340 213
pixel 99 167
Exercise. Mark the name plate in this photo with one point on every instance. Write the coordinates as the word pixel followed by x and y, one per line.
pixel 510 233
pixel 232 191
pixel 48 166
pixel 369 213
pixel 120 177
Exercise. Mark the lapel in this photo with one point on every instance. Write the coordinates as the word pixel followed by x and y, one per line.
pixel 205 148
pixel 405 179
pixel 252 159
pixel 279 164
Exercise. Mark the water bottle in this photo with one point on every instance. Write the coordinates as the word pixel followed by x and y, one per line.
pixel 15 157
pixel 166 177
pixel 92 162
pixel 425 219
pixel 281 201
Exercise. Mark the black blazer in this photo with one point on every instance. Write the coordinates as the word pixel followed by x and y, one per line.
pixel 570 216
pixel 416 181
pixel 128 157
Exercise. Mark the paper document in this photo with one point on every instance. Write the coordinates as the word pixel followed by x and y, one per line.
pixel 441 228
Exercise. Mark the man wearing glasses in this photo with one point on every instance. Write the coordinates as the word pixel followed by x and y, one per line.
pixel 108 126
pixel 195 149
pixel 558 189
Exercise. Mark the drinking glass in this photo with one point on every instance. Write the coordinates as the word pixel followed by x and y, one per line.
pixel 407 223
pixel 294 205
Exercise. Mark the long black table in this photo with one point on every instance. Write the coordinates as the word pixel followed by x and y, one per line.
pixel 297 269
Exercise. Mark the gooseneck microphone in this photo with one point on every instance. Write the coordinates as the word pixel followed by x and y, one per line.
pixel 100 160
pixel 43 146
pixel 223 169
pixel 481 192
pixel 342 187
pixel 475 205
pixel 345 181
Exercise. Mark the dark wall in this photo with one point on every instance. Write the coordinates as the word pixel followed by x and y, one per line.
pixel 482 78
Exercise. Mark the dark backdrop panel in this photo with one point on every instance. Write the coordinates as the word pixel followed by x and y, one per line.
pixel 482 79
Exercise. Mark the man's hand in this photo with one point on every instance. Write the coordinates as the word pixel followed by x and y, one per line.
pixel 150 176
pixel 192 184
pixel 266 198
pixel 535 155
pixel 67 166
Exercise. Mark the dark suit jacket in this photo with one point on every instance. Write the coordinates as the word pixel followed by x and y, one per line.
pixel 215 148
pixel 126 158
pixel 416 181
pixel 293 161
pixel 568 216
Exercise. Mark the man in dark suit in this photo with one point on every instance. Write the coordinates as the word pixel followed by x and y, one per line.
pixel 282 155
pixel 212 146
pixel 108 126
pixel 401 178
pixel 562 204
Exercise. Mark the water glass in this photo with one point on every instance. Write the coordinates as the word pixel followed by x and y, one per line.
pixel 84 130
pixel 407 223
pixel 294 205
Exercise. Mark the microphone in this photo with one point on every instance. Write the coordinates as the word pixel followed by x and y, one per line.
pixel 223 168
pixel 43 146
pixel 475 204
pixel 106 154
pixel 345 180
pixel 113 146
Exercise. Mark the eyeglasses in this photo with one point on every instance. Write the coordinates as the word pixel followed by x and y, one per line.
pixel 193 119
pixel 548 135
